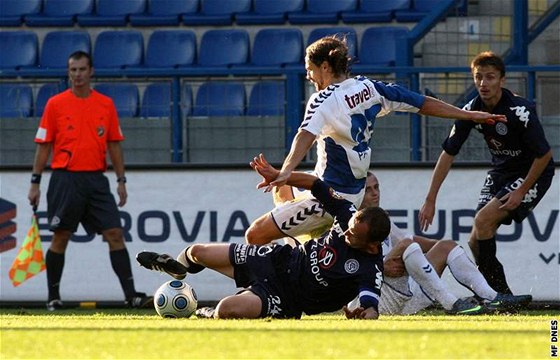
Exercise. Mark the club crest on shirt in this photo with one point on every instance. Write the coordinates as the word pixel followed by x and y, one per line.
pixel 351 266
pixel 334 194
pixel 501 128
pixel 100 130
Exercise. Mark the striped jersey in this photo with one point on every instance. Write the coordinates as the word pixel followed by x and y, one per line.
pixel 342 118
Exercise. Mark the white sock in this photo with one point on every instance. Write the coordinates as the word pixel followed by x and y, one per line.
pixel 467 274
pixel 420 269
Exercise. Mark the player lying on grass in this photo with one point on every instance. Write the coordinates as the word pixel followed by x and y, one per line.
pixel 412 279
pixel 283 282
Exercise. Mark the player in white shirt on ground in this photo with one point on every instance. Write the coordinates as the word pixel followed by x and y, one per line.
pixel 412 269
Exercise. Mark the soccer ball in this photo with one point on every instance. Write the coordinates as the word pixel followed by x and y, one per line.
pixel 175 299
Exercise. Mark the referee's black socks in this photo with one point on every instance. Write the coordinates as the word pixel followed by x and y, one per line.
pixel 54 263
pixel 120 261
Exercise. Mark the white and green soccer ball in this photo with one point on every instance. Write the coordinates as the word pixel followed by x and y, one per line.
pixel 175 299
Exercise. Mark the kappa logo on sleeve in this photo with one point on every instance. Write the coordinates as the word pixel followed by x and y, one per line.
pixel 522 113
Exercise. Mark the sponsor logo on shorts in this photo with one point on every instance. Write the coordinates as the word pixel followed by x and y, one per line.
pixel 55 221
pixel 265 250
pixel 240 253
pixel 351 266
pixel 335 194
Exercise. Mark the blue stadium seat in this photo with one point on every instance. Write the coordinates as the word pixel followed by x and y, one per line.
pixel 18 49
pixel 269 12
pixel 16 101
pixel 58 45
pixel 46 91
pixel 118 49
pixel 268 98
pixel 112 12
pixel 379 45
pixel 125 97
pixel 164 12
pixel 220 98
pixel 224 47
pixel 322 12
pixel 342 32
pixel 277 47
pixel 419 9
pixel 171 48
pixel 186 99
pixel 156 101
pixel 12 11
pixel 217 12
pixel 375 11
pixel 60 12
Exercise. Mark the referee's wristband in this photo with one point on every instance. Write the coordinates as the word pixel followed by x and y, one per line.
pixel 122 179
pixel 35 178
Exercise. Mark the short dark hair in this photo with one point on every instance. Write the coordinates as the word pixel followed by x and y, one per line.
pixel 378 222
pixel 488 58
pixel 333 50
pixel 77 55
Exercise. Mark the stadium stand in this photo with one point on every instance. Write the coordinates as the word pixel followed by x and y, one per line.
pixel 418 9
pixel 220 98
pixel 277 47
pixel 118 49
pixel 45 92
pixel 267 98
pixel 374 11
pixel 124 95
pixel 186 99
pixel 13 11
pixel 16 101
pixel 342 31
pixel 18 49
pixel 171 49
pixel 60 13
pixel 322 12
pixel 58 45
pixel 217 12
pixel 379 45
pixel 269 12
pixel 112 13
pixel 164 12
pixel 156 101
pixel 224 47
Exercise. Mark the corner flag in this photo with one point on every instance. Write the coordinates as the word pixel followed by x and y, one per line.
pixel 29 260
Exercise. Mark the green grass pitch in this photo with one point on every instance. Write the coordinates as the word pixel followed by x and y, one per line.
pixel 141 334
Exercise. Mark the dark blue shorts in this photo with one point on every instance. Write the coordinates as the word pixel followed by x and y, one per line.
pixel 499 184
pixel 263 271
pixel 81 197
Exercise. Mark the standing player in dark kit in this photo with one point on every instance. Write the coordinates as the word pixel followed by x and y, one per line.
pixel 79 126
pixel 522 165
pixel 283 282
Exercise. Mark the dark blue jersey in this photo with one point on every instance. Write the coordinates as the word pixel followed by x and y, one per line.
pixel 330 273
pixel 514 144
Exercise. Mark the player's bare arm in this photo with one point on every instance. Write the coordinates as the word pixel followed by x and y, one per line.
pixel 435 107
pixel 116 154
pixel 427 211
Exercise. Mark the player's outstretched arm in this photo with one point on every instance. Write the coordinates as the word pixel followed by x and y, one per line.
pixel 435 107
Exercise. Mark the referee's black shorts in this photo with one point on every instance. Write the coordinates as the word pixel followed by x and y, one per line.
pixel 81 197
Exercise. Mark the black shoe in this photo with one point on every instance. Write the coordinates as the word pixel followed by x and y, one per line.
pixel 163 263
pixel 140 301
pixel 54 305
pixel 510 303
pixel 468 306
pixel 205 312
